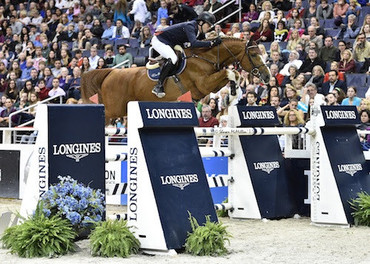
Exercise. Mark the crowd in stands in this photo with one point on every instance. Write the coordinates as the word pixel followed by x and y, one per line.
pixel 314 49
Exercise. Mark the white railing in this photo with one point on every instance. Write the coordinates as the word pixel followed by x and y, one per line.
pixel 123 62
pixel 238 10
pixel 32 106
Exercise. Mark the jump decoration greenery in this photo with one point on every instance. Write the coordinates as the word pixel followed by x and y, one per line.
pixel 80 204
pixel 361 206
pixel 223 213
pixel 113 238
pixel 207 240
pixel 40 236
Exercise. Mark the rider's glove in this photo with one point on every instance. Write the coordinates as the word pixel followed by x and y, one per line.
pixel 217 41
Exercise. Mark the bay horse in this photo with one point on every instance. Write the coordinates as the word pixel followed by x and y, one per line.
pixel 204 73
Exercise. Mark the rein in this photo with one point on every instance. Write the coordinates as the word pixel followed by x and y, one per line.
pixel 255 70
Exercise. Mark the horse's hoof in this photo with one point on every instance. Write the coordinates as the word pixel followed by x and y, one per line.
pixel 159 94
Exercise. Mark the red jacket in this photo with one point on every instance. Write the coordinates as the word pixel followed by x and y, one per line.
pixel 212 122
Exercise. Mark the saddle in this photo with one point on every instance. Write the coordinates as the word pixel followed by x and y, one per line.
pixel 153 66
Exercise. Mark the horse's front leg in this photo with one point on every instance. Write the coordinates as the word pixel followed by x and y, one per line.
pixel 209 83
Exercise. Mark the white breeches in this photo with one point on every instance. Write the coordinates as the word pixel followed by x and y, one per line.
pixel 165 50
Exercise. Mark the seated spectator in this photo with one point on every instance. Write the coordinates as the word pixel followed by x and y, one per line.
pixel 120 31
pixel 299 8
pixel 101 64
pixel 69 35
pixel 97 29
pixel 349 31
pixel 88 40
pixel 366 67
pixel 339 94
pixel 311 62
pixel 213 103
pixel 41 90
pixel 275 59
pixel 4 115
pixel 207 120
pixel 328 52
pixel 85 67
pixel 289 93
pixel 347 63
pixel 250 16
pixel 292 105
pixel 324 10
pixel 12 90
pixel 311 37
pixel 365 124
pixel 22 101
pixel 266 8
pixel 135 33
pixel 293 119
pixel 63 77
pixel 292 74
pixel 331 99
pixel 251 99
pixel 293 18
pixel 366 31
pixel 316 24
pixel 276 75
pixel 352 99
pixel 108 32
pixel 280 33
pixel 235 30
pixel 56 90
pixel 264 32
pixel 333 83
pixel 162 11
pixel 293 40
pixel 263 52
pixel 317 77
pixel 293 60
pixel 353 9
pixel 26 72
pixel 121 57
pixel 72 87
pixel 56 69
pixel 310 92
pixel 94 57
pixel 364 105
pixel 361 48
pixel 162 25
pixel 145 37
pixel 311 11
pixel 279 17
pixel 339 12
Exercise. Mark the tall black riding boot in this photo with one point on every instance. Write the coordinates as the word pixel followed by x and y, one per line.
pixel 167 69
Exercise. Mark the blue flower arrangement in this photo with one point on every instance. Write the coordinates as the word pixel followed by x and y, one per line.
pixel 80 204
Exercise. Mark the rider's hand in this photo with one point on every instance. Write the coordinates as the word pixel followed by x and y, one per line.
pixel 217 41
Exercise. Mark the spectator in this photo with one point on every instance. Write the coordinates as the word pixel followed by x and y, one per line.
pixel 293 60
pixel 311 11
pixel 110 28
pixel 266 8
pixel 97 29
pixel 140 11
pixel 347 63
pixel 279 17
pixel 263 52
pixel 328 52
pixel 324 10
pixel 275 59
pixel 101 64
pixel 26 72
pixel 213 103
pixel 162 11
pixel 311 37
pixel 34 77
pixel 251 99
pixel 298 7
pixel 263 33
pixel 120 12
pixel 120 31
pixel 94 57
pixel 349 31
pixel 41 90
pixel 145 37
pixel 366 31
pixel 331 99
pixel 280 33
pixel 316 24
pixel 352 99
pixel 135 33
pixel 250 16
pixel 88 21
pixel 292 105
pixel 22 102
pixel 310 92
pixel 73 84
pixel 364 105
pixel 311 62
pixel 36 19
pixel 28 89
pixel 317 77
pixel 292 74
pixel 294 17
pixel 57 68
pixel 353 9
pixel 294 39
pixel 56 90
pixel 88 40
pixel 4 115
pixel 55 47
pixel 15 25
pixel 339 12
pixel 333 83
pixel 163 25
pixel 339 94
pixel 85 67
pixel 70 35
pixel 207 120
pixel 109 55
pixel 121 57
pixel 276 75
pixel 213 5
pixel 335 66
pixel 361 48
pixel 12 90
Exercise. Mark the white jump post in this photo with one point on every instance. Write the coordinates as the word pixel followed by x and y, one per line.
pixel 166 177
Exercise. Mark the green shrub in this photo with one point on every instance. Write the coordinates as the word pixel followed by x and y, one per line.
pixel 40 236
pixel 223 213
pixel 207 240
pixel 361 207
pixel 113 239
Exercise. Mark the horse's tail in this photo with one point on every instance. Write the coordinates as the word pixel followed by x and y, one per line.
pixel 91 83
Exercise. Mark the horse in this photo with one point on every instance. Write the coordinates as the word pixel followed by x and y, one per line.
pixel 205 72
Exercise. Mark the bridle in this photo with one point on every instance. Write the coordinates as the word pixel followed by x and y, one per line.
pixel 255 69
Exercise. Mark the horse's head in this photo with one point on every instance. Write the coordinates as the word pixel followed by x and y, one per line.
pixel 253 62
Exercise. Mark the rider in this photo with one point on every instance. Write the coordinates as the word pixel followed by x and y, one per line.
pixel 184 34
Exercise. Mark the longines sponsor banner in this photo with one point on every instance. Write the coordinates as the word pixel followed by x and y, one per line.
pixel 76 151
pixel 257 116
pixel 267 167
pixel 340 115
pixel 179 181
pixel 351 169
pixel 168 114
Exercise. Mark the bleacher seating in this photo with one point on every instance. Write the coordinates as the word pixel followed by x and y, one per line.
pixel 359 81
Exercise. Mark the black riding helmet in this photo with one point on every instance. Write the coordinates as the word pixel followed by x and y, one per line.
pixel 207 17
